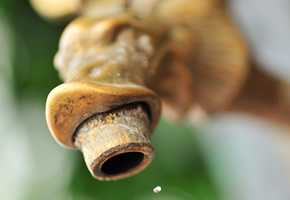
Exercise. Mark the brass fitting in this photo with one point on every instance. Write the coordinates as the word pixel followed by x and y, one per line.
pixel 105 108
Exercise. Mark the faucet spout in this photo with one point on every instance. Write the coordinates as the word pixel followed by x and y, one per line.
pixel 105 107
pixel 116 144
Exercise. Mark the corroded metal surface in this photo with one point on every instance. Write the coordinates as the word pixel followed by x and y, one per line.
pixel 116 144
pixel 105 65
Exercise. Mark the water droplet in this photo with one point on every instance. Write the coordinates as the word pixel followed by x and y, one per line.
pixel 157 189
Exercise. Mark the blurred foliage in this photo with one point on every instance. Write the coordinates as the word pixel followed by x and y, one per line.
pixel 178 165
pixel 35 43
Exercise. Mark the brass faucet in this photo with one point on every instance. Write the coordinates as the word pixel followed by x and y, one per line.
pixel 120 59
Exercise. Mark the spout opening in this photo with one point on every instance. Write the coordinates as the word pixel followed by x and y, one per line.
pixel 116 144
pixel 122 163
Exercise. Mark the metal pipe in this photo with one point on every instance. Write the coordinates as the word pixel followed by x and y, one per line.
pixel 116 144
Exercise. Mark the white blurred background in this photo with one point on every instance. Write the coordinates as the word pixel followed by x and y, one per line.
pixel 250 158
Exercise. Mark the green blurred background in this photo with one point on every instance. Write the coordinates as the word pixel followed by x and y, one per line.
pixel 35 167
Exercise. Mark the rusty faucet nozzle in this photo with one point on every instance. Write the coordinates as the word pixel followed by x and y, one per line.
pixel 105 108
pixel 113 130
pixel 116 144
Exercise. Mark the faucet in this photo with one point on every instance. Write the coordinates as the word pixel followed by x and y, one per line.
pixel 120 59
pixel 119 64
